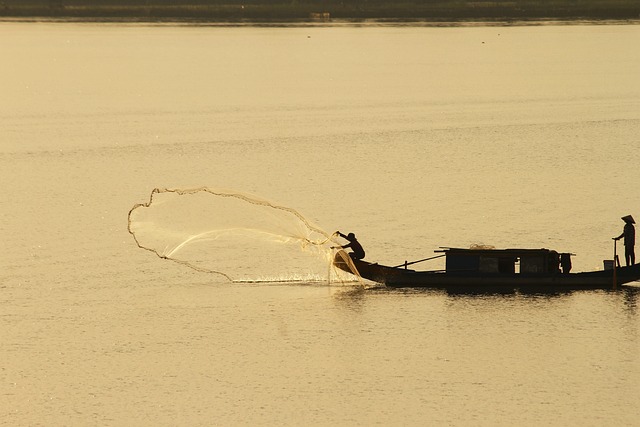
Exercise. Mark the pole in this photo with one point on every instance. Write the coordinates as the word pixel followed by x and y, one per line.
pixel 615 257
pixel 405 264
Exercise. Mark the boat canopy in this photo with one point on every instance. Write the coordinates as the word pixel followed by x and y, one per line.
pixel 531 261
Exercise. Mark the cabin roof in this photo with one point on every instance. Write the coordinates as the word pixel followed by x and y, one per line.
pixel 513 252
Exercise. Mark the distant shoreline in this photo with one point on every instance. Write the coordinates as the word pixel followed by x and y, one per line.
pixel 329 23
pixel 292 11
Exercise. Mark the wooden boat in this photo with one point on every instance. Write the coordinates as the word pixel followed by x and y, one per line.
pixel 473 270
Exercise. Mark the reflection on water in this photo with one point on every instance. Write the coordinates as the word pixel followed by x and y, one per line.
pixel 549 348
pixel 630 295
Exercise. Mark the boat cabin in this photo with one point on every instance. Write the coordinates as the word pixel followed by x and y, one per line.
pixel 528 261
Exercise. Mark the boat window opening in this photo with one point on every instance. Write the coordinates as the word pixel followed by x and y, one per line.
pixel 532 264
pixel 488 264
pixel 462 263
pixel 507 265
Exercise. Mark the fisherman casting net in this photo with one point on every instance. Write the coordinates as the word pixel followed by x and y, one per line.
pixel 238 236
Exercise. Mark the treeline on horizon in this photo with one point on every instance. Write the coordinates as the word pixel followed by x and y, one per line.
pixel 286 10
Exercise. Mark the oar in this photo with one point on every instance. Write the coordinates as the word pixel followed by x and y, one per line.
pixel 615 256
pixel 405 264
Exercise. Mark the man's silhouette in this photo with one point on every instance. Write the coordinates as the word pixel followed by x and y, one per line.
pixel 629 234
pixel 356 247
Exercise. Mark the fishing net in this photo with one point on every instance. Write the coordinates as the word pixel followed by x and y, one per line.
pixel 238 236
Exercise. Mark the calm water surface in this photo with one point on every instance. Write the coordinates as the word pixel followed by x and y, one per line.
pixel 412 137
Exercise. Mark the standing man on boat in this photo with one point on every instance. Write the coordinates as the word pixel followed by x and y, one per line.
pixel 629 234
pixel 356 247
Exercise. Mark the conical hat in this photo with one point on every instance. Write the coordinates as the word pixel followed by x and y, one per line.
pixel 628 218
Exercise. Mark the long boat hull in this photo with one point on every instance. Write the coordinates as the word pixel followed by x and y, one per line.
pixel 465 281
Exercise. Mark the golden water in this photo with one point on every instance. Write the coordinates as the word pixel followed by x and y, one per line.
pixel 412 137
